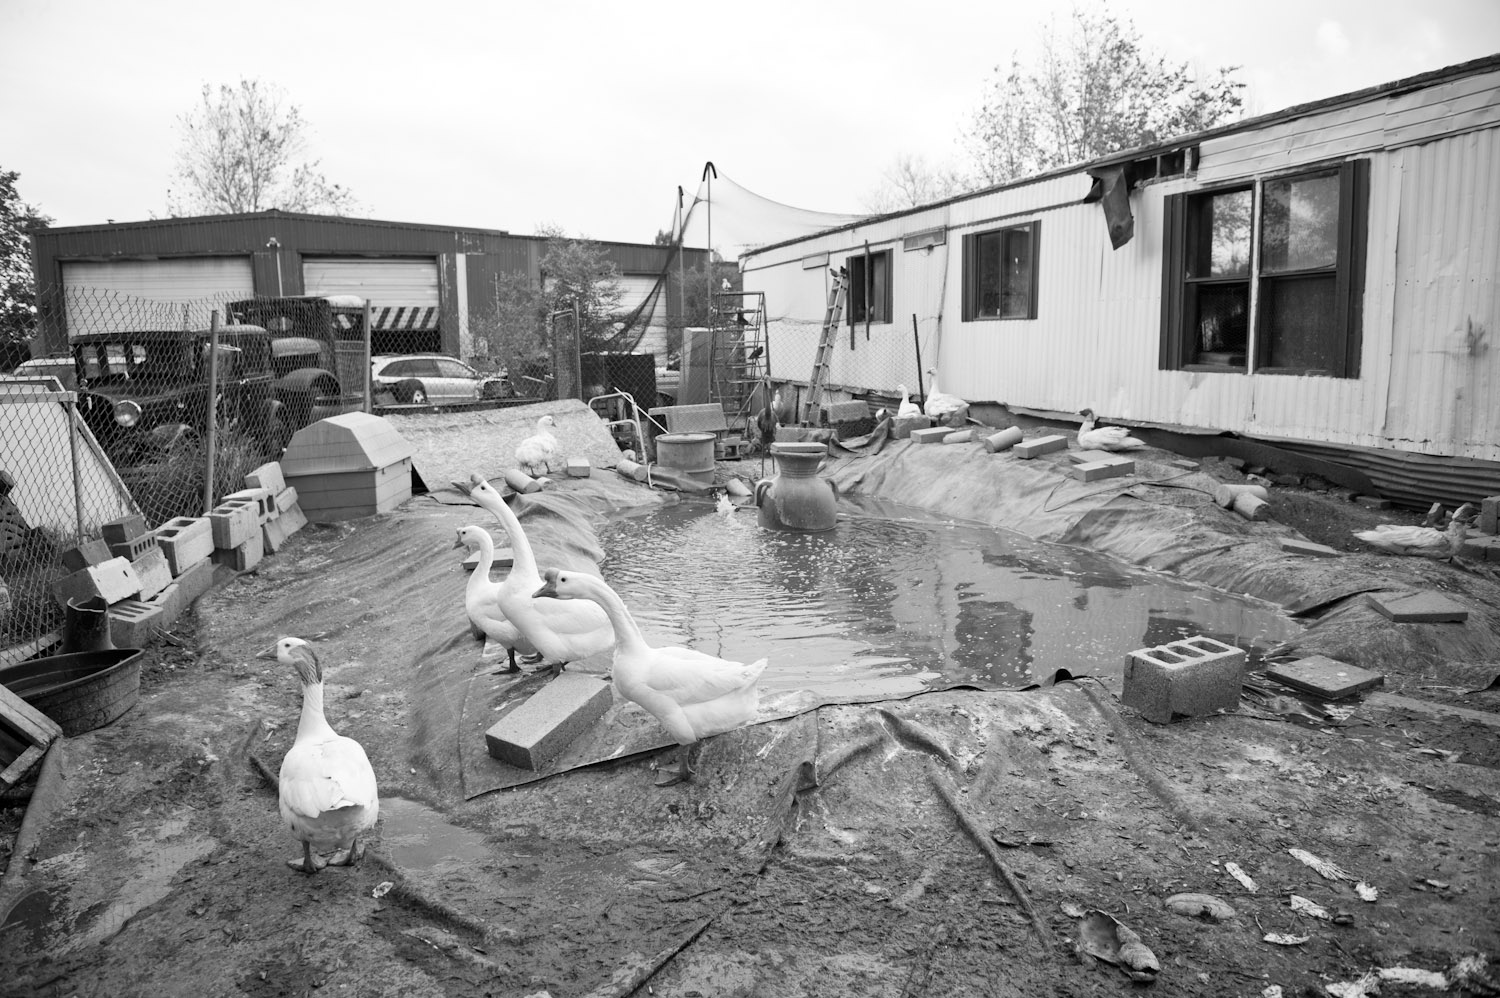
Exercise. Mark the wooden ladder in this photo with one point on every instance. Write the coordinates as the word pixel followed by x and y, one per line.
pixel 821 361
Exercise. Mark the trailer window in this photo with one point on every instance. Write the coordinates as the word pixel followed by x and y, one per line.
pixel 1000 273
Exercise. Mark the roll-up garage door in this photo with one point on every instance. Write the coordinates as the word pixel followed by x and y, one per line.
pixel 124 295
pixel 403 296
pixel 650 328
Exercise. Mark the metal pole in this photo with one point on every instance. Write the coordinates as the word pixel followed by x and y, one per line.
pixel 73 448
pixel 369 339
pixel 708 168
pixel 681 267
pixel 212 418
pixel 575 359
pixel 921 392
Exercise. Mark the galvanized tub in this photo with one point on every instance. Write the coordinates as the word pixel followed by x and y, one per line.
pixel 690 453
pixel 82 691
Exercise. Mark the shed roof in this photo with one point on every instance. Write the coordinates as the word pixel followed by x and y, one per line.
pixel 353 441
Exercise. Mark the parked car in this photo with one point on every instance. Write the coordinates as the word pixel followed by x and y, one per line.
pixel 434 378
pixel 60 368
pixel 143 393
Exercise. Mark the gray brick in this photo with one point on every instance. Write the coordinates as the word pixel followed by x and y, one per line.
pixel 1191 677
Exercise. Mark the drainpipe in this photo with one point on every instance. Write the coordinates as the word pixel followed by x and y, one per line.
pixel 274 243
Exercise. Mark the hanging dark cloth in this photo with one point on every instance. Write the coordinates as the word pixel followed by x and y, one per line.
pixel 1112 189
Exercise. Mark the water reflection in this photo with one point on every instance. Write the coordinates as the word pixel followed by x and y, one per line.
pixel 894 600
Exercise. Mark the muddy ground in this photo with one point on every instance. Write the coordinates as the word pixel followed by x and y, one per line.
pixel 815 856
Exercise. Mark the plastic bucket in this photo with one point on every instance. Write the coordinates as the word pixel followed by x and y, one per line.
pixel 692 454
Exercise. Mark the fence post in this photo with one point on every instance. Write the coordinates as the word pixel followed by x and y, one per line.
pixel 212 419
pixel 369 339
pixel 73 451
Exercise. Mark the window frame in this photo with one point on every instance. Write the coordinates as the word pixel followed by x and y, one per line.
pixel 971 272
pixel 856 295
pixel 1182 237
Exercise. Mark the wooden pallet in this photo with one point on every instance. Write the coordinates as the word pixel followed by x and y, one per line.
pixel 25 734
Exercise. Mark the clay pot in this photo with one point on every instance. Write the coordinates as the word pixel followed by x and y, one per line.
pixel 797 499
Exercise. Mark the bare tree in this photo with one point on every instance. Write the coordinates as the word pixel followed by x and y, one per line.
pixel 1095 90
pixel 243 150
pixel 910 181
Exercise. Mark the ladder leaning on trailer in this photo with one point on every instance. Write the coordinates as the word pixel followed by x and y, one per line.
pixel 819 380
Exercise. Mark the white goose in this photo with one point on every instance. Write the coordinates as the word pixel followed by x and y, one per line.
pixel 534 454
pixel 482 598
pixel 939 404
pixel 1105 437
pixel 1422 542
pixel 327 787
pixel 560 631
pixel 693 695
pixel 907 406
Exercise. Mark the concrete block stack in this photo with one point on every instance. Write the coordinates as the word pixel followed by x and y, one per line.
pixel 1485 545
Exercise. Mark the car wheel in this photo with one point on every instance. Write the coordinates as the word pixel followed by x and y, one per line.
pixel 412 392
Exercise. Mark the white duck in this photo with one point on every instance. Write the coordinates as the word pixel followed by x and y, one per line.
pixel 1422 542
pixel 482 598
pixel 692 694
pixel 534 454
pixel 907 406
pixel 560 631
pixel 327 787
pixel 1104 437
pixel 939 404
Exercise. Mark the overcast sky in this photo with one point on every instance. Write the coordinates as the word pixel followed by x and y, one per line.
pixel 589 115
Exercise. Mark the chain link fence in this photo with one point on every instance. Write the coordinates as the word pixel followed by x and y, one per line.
pixel 148 397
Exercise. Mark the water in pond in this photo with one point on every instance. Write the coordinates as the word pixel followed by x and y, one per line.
pixel 415 837
pixel 894 600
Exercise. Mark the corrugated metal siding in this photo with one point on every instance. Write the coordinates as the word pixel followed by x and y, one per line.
pixel 385 282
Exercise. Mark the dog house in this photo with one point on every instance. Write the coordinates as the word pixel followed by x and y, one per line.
pixel 346 466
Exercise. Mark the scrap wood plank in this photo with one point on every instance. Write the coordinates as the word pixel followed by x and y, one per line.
pixel 22 725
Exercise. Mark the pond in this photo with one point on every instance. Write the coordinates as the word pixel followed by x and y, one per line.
pixel 895 600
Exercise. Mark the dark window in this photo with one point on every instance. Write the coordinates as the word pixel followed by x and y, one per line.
pixel 1000 273
pixel 870 287
pixel 1298 291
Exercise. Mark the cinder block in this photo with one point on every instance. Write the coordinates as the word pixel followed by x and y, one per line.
pixel 234 522
pixel 1186 464
pixel 1482 548
pixel 1327 677
pixel 902 426
pixel 264 499
pixel 539 730
pixel 1089 456
pixel 185 541
pixel 245 555
pixel 578 467
pixel 114 580
pixel 1418 608
pixel 1373 502
pixel 931 435
pixel 1095 470
pixel 132 622
pixel 1293 546
pixel 123 529
pixel 197 580
pixel 86 553
pixel 292 519
pixel 272 535
pixel 1037 446
pixel 1489 515
pixel 152 570
pixel 132 549
pixel 267 476
pixel 1191 677
pixel 286 497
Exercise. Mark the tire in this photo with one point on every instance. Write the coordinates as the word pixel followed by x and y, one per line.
pixel 411 392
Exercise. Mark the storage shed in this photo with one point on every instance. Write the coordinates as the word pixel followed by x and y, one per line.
pixel 346 466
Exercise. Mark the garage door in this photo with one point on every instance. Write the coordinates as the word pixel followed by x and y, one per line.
pixel 650 326
pixel 403 296
pixel 151 294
